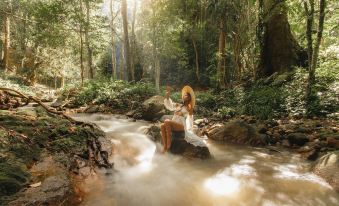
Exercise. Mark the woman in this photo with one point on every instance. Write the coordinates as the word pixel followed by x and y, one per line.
pixel 182 119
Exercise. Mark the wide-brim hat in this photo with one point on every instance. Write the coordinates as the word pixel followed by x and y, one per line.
pixel 188 89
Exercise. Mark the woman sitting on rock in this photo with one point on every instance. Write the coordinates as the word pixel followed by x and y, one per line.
pixel 182 119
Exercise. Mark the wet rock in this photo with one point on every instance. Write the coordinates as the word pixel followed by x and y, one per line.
pixel 262 129
pixel 54 190
pixel 154 133
pixel 153 108
pixel 179 145
pixel 285 143
pixel 298 139
pixel 333 142
pixel 327 167
pixel 314 154
pixel 236 132
pixel 92 109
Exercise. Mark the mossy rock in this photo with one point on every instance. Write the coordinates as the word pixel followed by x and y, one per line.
pixel 13 177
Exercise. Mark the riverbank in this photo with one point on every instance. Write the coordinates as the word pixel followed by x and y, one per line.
pixel 43 157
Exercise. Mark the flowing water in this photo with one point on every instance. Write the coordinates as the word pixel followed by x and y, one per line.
pixel 235 176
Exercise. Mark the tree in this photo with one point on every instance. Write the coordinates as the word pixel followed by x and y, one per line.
pixel 126 40
pixel 82 69
pixel 221 68
pixel 87 41
pixel 279 49
pixel 315 50
pixel 133 42
pixel 113 56
pixel 7 37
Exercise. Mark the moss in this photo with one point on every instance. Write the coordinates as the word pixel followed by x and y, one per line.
pixel 13 177
pixel 68 145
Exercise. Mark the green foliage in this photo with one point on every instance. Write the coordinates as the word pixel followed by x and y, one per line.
pixel 106 91
pixel 264 102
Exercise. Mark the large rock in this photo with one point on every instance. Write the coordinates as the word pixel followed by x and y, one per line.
pixel 53 186
pixel 153 108
pixel 179 145
pixel 327 167
pixel 54 190
pixel 299 139
pixel 237 132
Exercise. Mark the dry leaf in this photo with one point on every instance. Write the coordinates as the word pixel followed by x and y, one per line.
pixel 35 184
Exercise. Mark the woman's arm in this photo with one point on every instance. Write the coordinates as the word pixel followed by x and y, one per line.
pixel 168 103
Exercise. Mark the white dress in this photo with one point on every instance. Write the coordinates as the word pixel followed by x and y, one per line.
pixel 186 120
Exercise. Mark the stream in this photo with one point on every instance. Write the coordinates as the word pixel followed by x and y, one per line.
pixel 235 176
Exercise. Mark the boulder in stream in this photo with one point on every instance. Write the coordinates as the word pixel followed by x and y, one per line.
pixel 237 131
pixel 179 145
pixel 153 108
pixel 327 167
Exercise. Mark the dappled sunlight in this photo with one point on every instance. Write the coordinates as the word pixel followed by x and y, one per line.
pixel 290 172
pixel 222 184
pixel 230 180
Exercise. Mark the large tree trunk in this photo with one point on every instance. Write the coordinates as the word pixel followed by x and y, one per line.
pixel 87 40
pixel 133 43
pixel 197 70
pixel 221 56
pixel 81 47
pixel 280 51
pixel 311 77
pixel 114 65
pixel 126 39
pixel 6 43
pixel 309 26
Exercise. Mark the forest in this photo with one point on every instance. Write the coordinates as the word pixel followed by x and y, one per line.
pixel 86 90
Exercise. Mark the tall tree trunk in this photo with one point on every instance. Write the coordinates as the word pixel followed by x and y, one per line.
pixel 157 74
pixel 7 43
pixel 122 63
pixel 133 43
pixel 114 65
pixel 87 40
pixel 126 39
pixel 221 55
pixel 311 76
pixel 280 51
pixel 81 46
pixel 197 70
pixel 309 26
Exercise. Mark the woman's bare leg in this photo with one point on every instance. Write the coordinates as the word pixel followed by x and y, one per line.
pixel 171 125
pixel 163 137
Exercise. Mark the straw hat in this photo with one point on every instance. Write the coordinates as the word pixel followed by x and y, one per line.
pixel 188 89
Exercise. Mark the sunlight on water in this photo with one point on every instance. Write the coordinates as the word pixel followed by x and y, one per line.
pixel 235 176
pixel 222 184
